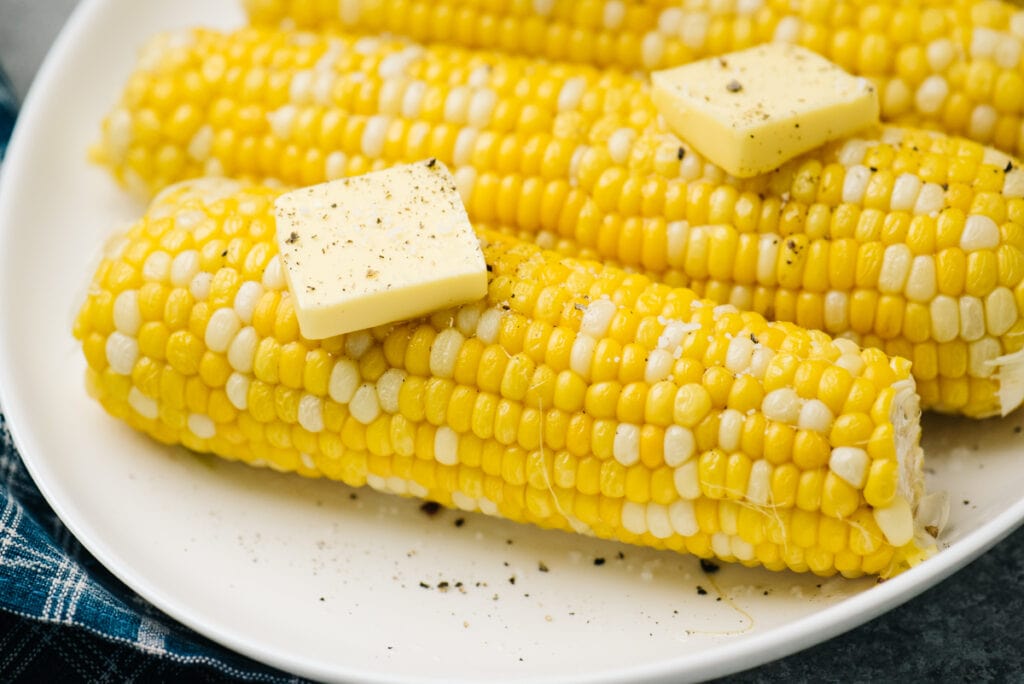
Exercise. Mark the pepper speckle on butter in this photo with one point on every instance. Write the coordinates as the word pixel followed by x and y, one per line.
pixel 753 110
pixel 390 245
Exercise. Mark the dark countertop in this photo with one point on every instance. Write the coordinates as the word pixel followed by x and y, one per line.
pixel 968 628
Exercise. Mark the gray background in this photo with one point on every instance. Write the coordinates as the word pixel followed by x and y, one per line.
pixel 969 628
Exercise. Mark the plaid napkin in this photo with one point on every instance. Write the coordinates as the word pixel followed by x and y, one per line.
pixel 63 616
pixel 69 616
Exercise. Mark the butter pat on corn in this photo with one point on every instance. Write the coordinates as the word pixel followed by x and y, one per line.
pixel 377 248
pixel 751 111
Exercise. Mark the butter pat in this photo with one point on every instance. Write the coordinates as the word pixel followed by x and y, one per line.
pixel 750 111
pixel 389 245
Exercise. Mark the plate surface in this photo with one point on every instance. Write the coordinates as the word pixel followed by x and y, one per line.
pixel 338 584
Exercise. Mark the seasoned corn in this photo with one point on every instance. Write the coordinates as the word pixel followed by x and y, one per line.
pixel 575 396
pixel 955 65
pixel 904 240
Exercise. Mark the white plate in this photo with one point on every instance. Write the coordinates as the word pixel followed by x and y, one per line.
pixel 301 575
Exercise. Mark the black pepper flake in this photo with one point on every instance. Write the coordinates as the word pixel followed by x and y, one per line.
pixel 431 162
pixel 1008 168
pixel 512 579
pixel 459 522
pixel 293 238
pixel 490 269
pixel 710 567
pixel 722 63
pixel 371 273
pixel 733 86
pixel 872 169
pixel 542 567
pixel 753 338
pixel 701 591
pixel 945 186
pixel 680 153
pixel 430 508
pixel 599 561
pixel 424 585
pixel 443 586
pixel 620 555
pixel 224 253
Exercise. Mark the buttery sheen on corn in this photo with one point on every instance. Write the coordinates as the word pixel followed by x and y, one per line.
pixel 955 65
pixel 904 240
pixel 574 395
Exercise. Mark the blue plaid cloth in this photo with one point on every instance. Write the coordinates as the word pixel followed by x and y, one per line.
pixel 108 632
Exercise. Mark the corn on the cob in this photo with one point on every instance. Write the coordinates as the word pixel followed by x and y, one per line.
pixel 575 396
pixel 953 65
pixel 908 241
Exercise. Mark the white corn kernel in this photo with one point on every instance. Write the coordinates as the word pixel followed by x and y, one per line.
pixel 677 235
pixel 374 134
pixel 246 299
pixel 850 464
pixel 221 329
pixel 782 405
pixel 980 232
pixel 388 387
pixel 815 415
pixel 679 444
pixel 413 99
pixel 896 521
pixel 895 267
pixel 721 543
pixel 200 285
pixel 357 343
pixel 626 444
pixel 444 352
pixel 852 152
pixel 489 325
pixel 157 267
pixel 658 523
pixel 659 366
pixel 242 349
pixel 143 405
pixel 730 429
pixel 582 355
pixel 201 426
pixel 837 311
pixel 739 353
pixel 463 501
pixel 571 93
pixel 1000 311
pixel 672 336
pixel 904 192
pixel 945 317
pixel 940 53
pixel 127 316
pixel 686 480
pixel 183 268
pixel 759 484
pixel 930 199
pixel 787 30
pixel 683 518
pixel 853 363
pixel 335 165
pixel 1007 52
pixel 983 42
pixel 855 184
pixel 620 143
pixel 931 94
pixel 273 276
pixel 921 283
pixel 742 549
pixel 311 412
pixel 364 406
pixel 634 517
pixel 456 105
pixel 759 361
pixel 344 381
pixel 481 107
pixel 597 317
pixel 982 123
pixel 979 357
pixel 237 389
pixel 972 318
pixel 446 446
pixel 122 352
